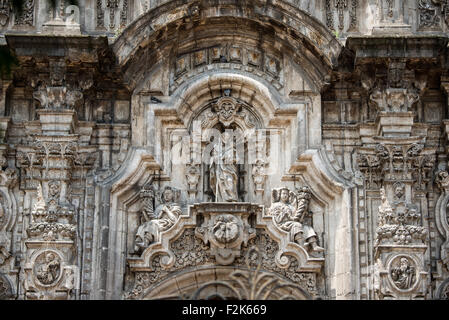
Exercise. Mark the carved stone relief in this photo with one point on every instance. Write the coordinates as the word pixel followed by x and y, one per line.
pixel 290 212
pixel 5 12
pixel 428 14
pixel 403 272
pixel 5 288
pixel 189 251
pixel 237 57
pixel 47 269
pixel 338 9
pixel 153 222
pixel 226 228
pixel 27 15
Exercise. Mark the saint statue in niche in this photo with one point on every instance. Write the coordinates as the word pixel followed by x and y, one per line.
pixel 161 219
pixel 223 170
pixel 289 211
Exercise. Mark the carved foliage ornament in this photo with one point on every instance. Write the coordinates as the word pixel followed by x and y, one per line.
pixel 396 162
pixel 226 232
pixel 189 251
pixel 400 224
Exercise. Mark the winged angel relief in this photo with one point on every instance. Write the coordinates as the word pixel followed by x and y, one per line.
pixel 289 211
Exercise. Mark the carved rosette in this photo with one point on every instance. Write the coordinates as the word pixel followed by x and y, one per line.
pixel 226 232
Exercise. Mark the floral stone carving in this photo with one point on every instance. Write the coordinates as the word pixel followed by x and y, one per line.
pixel 398 225
pixel 47 268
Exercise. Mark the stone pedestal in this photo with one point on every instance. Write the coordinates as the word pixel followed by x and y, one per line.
pixel 57 122
pixel 395 124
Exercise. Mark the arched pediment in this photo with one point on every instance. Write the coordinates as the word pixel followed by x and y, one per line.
pixel 176 28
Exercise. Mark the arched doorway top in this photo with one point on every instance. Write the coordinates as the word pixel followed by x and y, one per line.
pixel 189 99
pixel 179 26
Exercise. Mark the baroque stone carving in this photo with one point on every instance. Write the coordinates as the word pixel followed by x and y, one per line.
pixel 289 211
pixel 190 251
pixel 442 214
pixel 226 228
pixel 156 221
pixel 57 97
pixel 5 12
pixel 329 15
pixel 265 64
pixel 112 5
pixel 193 174
pixel 47 268
pixel 27 15
pixel 428 14
pixel 259 175
pixel 253 284
pixel 341 5
pixel 397 162
pixel 100 14
pixel 5 288
pixel 124 14
pixel 403 273
pixel 51 220
pixel 400 225
pixel 224 171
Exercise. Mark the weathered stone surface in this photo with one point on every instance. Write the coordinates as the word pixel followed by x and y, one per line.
pixel 166 149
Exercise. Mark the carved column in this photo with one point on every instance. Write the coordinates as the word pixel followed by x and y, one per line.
pixel 399 166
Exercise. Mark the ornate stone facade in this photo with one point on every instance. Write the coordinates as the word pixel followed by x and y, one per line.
pixel 152 150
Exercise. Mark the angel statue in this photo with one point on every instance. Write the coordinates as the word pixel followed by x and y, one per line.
pixel 289 211
pixel 156 221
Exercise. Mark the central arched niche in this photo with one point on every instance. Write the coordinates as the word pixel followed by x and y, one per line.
pixel 181 60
